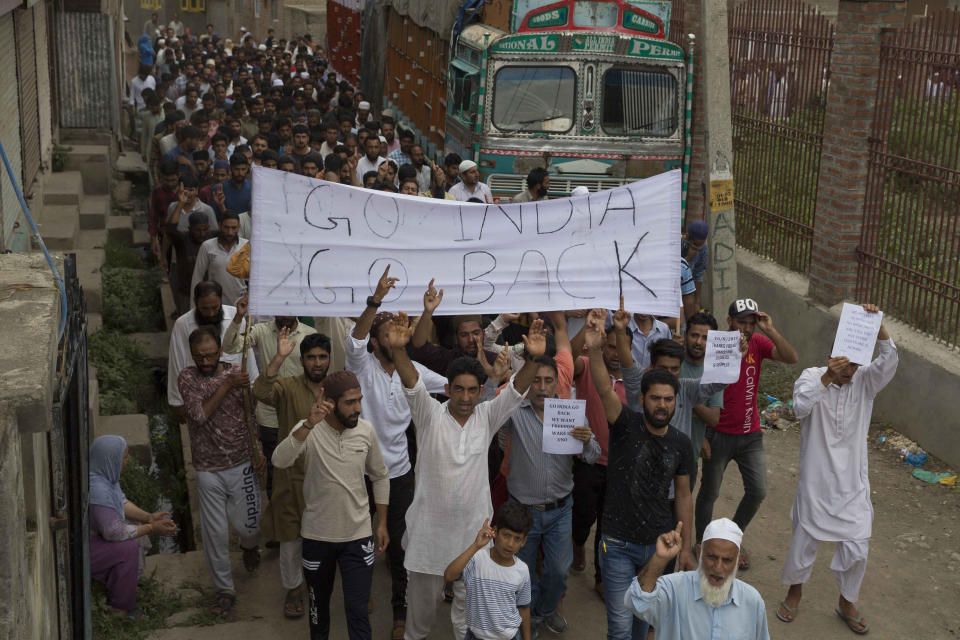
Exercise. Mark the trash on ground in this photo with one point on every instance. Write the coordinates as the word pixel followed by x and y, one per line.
pixel 947 479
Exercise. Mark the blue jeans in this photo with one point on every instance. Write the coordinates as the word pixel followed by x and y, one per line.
pixel 622 562
pixel 552 529
pixel 746 450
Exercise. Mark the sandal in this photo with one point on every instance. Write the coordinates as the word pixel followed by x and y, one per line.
pixel 224 603
pixel 293 603
pixel 448 592
pixel 744 562
pixel 398 629
pixel 251 559
pixel 850 620
pixel 791 611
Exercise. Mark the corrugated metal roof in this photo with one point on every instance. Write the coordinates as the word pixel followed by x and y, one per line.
pixel 86 70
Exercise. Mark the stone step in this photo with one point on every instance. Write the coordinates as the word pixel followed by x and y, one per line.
pixel 94 322
pixel 92 161
pixel 59 227
pixel 55 213
pixel 89 263
pixel 141 236
pixel 92 239
pixel 135 429
pixel 63 187
pixel 94 211
pixel 130 162
pixel 120 229
pixel 156 345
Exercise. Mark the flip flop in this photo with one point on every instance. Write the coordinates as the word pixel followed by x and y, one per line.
pixel 293 603
pixel 744 562
pixel 850 620
pixel 224 603
pixel 791 610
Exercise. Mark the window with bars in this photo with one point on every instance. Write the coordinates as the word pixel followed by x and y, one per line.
pixel 193 6
pixel 640 102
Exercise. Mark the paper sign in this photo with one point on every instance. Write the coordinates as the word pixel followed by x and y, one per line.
pixel 856 334
pixel 721 363
pixel 560 416
pixel 318 249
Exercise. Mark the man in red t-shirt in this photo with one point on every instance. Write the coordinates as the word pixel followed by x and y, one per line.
pixel 737 436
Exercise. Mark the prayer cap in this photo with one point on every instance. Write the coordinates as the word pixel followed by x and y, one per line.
pixel 466 165
pixel 723 529
pixel 364 105
pixel 698 230
pixel 580 191
pixel 338 383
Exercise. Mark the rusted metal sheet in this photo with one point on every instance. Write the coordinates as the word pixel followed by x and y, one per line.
pixel 909 254
pixel 86 70
pixel 779 77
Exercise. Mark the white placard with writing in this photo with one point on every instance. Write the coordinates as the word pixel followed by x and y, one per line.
pixel 318 249
pixel 560 416
pixel 721 361
pixel 856 334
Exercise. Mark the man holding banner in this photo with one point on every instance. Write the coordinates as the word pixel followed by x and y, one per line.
pixel 451 499
pixel 834 405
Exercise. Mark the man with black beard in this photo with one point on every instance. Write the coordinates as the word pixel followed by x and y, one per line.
pixel 263 341
pixel 208 310
pixel 368 355
pixel 538 181
pixel 339 448
pixel 709 602
pixel 292 397
pixel 646 456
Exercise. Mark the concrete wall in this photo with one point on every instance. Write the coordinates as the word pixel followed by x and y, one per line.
pixel 28 591
pixel 920 402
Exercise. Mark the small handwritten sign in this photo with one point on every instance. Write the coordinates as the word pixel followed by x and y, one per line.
pixel 721 361
pixel 856 334
pixel 560 416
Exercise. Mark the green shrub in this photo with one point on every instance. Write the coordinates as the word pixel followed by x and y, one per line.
pixel 131 300
pixel 140 486
pixel 155 601
pixel 126 382
pixel 117 254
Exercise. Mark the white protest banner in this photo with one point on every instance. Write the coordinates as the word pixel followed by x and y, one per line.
pixel 721 360
pixel 856 334
pixel 560 416
pixel 318 248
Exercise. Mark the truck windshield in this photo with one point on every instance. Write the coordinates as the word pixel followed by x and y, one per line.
pixel 534 99
pixel 640 102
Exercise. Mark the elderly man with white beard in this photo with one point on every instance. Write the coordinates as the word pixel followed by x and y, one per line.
pixel 696 605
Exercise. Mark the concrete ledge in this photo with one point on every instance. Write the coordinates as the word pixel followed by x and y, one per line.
pixel 928 371
pixel 59 226
pixel 64 187
pixel 89 263
pixel 92 239
pixel 92 161
pixel 120 229
pixel 94 322
pixel 130 162
pixel 156 345
pixel 135 429
pixel 170 314
pixel 94 211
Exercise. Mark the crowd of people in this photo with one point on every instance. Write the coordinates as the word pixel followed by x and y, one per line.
pixel 422 438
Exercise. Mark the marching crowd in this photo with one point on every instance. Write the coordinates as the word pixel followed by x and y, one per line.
pixel 422 438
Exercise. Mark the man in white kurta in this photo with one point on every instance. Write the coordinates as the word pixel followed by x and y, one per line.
pixel 834 405
pixel 452 495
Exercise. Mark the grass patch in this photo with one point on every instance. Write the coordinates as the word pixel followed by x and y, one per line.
pixel 131 299
pixel 117 254
pixel 776 379
pixel 126 382
pixel 153 599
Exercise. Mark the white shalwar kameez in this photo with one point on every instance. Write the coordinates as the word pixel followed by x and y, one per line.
pixel 833 493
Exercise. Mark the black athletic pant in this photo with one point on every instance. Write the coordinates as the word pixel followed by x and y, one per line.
pixel 320 562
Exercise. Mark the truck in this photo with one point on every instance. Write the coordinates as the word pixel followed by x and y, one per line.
pixel 593 91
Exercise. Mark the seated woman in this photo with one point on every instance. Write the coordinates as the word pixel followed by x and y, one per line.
pixel 115 553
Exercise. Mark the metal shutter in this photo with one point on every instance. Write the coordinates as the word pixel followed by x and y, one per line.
pixel 27 75
pixel 9 128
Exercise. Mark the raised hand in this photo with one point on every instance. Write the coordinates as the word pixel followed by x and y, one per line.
pixel 485 535
pixel 597 318
pixel 241 305
pixel 621 318
pixel 535 341
pixel 670 543
pixel 239 380
pixel 594 336
pixel 285 342
pixel 581 433
pixel 744 344
pixel 764 322
pixel 432 298
pixel 219 198
pixel 400 331
pixel 320 409
pixel 384 285
pixel 837 367
pixel 510 317
pixel 871 308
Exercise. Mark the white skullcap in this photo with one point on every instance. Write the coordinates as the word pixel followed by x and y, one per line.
pixel 278 82
pixel 262 47
pixel 580 191
pixel 304 74
pixel 243 29
pixel 174 39
pixel 382 139
pixel 364 105
pixel 466 165
pixel 210 62
pixel 161 42
pixel 724 529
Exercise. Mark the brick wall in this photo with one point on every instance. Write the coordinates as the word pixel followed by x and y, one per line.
pixel 843 162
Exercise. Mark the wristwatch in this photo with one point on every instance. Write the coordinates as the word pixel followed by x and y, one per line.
pixel 373 303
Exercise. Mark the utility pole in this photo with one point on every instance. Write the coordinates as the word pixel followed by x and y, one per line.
pixel 718 146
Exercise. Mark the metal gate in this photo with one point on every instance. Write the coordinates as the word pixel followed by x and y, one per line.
pixel 908 256
pixel 69 447
pixel 779 77
pixel 27 74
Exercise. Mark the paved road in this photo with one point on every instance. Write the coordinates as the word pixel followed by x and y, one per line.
pixel 910 591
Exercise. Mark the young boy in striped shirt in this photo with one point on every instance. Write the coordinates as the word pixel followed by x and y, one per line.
pixel 497 583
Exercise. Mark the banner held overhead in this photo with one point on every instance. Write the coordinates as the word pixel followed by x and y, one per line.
pixel 319 247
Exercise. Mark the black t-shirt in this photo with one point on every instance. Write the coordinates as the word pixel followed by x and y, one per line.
pixel 640 470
